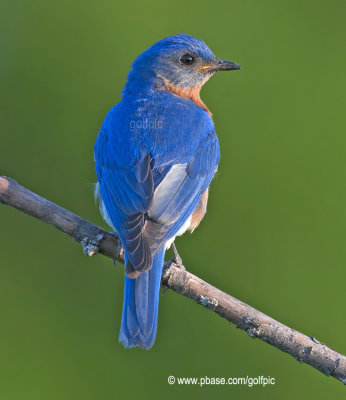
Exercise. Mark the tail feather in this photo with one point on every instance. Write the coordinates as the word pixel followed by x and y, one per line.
pixel 141 305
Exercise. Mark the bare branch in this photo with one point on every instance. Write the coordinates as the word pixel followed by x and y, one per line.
pixel 93 238
pixel 257 325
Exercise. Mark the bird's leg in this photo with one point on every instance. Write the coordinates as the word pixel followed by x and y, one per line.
pixel 177 259
pixel 120 249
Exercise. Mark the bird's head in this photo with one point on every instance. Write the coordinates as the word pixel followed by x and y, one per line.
pixel 182 63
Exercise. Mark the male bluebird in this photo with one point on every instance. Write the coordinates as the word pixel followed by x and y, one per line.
pixel 155 156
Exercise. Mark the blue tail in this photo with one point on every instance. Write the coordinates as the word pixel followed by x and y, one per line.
pixel 141 306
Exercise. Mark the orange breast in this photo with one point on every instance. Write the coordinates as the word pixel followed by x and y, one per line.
pixel 192 94
pixel 199 212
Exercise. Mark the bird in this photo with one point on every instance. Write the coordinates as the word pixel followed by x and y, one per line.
pixel 155 156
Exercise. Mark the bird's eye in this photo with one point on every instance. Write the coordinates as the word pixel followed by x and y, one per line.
pixel 187 59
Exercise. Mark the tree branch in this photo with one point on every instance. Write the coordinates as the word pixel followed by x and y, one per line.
pixel 256 324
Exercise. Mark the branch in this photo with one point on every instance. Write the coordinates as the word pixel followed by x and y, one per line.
pixel 256 324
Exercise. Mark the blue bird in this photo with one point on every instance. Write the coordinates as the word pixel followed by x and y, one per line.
pixel 155 156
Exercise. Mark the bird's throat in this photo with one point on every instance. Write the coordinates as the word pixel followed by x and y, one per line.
pixel 192 94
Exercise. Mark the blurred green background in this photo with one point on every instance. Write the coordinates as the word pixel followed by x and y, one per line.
pixel 275 231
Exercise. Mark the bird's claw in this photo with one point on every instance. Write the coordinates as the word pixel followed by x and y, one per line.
pixel 120 249
pixel 177 260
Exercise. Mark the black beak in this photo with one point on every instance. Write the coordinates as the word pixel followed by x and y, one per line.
pixel 222 65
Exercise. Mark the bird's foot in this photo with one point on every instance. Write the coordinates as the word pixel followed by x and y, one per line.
pixel 120 249
pixel 177 261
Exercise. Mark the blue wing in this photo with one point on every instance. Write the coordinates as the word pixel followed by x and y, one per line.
pixel 149 191
pixel 181 193
pixel 126 194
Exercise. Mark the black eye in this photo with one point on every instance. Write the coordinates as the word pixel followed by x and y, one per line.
pixel 187 59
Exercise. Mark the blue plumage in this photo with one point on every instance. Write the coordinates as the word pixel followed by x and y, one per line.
pixel 155 156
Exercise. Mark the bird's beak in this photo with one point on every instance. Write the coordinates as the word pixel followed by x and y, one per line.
pixel 219 65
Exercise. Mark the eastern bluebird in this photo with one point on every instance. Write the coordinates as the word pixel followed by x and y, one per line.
pixel 155 156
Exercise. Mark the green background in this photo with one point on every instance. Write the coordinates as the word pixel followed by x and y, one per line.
pixel 275 231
